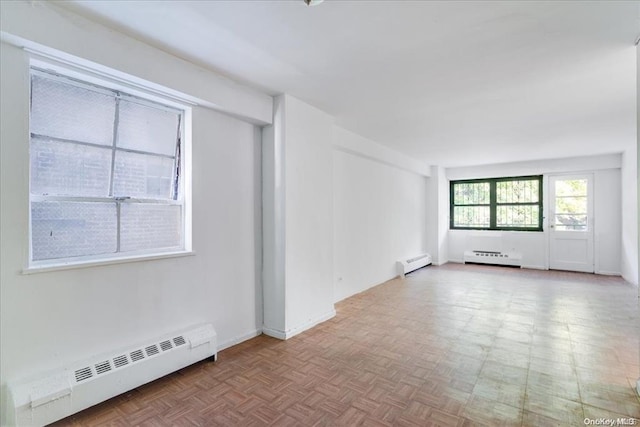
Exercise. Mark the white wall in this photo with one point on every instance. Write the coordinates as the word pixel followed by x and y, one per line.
pixel 608 221
pixel 629 210
pixel 45 27
pixel 298 221
pixel 533 245
pixel 273 223
pixel 309 215
pixel 536 167
pixel 637 164
pixel 52 319
pixel 380 217
pixel 438 215
pixel 350 142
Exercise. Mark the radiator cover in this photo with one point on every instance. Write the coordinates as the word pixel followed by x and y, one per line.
pixel 56 395
pixel 406 266
pixel 513 259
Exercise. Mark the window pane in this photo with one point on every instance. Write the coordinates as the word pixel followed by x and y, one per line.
pixel 150 226
pixel 67 111
pixel 571 205
pixel 471 216
pixel 143 176
pixel 147 129
pixel 75 168
pixel 63 168
pixel 571 222
pixel 517 191
pixel 517 216
pixel 69 229
pixel 471 193
pixel 571 187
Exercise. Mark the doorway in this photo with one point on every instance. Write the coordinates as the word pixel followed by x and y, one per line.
pixel 571 223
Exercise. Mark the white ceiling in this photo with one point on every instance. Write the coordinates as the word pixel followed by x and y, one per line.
pixel 449 83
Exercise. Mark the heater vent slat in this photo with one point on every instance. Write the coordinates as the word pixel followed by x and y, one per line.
pixel 152 350
pixel 137 355
pixel 120 361
pixel 103 367
pixel 512 259
pixel 69 389
pixel 83 374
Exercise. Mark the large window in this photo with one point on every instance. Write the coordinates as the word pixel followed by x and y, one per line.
pixel 105 175
pixel 497 204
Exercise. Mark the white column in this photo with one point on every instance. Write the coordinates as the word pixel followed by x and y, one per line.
pixel 297 219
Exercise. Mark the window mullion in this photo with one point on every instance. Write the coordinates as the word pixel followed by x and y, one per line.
pixel 118 222
pixel 540 204
pixel 493 198
pixel 116 121
pixel 452 204
pixel 177 161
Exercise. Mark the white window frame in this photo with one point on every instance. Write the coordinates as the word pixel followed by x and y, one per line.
pixel 87 76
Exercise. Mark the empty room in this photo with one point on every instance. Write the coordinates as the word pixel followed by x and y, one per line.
pixel 319 213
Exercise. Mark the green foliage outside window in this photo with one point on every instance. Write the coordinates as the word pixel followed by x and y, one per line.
pixel 497 204
pixel 571 204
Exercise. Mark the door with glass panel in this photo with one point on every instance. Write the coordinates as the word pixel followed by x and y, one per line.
pixel 571 223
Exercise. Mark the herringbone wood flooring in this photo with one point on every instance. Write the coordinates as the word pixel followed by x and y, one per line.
pixel 447 346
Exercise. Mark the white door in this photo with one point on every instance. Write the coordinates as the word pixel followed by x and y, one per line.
pixel 571 222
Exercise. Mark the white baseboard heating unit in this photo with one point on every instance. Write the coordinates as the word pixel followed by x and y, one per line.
pixel 513 259
pixel 58 394
pixel 406 266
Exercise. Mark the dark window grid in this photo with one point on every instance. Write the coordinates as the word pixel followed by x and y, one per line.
pixel 493 204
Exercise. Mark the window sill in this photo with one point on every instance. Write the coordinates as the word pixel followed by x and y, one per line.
pixel 72 265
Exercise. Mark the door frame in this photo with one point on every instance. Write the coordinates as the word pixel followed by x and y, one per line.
pixel 549 212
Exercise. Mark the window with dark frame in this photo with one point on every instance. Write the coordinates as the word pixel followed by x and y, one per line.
pixel 104 174
pixel 513 203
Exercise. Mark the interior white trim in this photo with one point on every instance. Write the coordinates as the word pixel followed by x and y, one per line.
pixel 46 58
pixel 285 335
pixel 608 273
pixel 70 265
pixel 535 267
pixel 241 338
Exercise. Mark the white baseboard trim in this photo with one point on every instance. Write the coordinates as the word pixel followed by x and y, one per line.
pixel 237 340
pixel 457 261
pixel 535 267
pixel 285 335
pixel 609 273
pixel 275 333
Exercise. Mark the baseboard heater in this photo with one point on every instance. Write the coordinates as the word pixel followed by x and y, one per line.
pixel 512 259
pixel 406 266
pixel 61 393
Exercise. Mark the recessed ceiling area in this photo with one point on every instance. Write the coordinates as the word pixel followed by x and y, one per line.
pixel 447 83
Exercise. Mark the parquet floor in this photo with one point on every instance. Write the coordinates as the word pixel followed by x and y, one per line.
pixel 448 346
